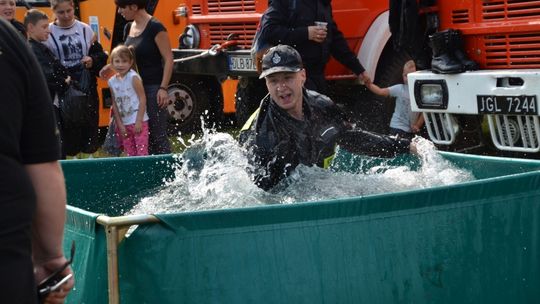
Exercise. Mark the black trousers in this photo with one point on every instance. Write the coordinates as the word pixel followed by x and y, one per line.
pixel 17 284
pixel 316 82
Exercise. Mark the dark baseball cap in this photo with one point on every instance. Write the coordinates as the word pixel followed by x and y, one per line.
pixel 281 58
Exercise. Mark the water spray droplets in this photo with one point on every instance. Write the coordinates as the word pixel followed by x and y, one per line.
pixel 214 173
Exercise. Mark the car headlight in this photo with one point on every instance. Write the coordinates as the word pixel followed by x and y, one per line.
pixel 190 39
pixel 431 94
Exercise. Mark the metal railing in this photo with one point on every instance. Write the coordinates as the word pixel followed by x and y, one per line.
pixel 441 127
pixel 519 133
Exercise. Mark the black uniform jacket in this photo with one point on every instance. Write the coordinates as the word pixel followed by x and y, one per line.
pixel 294 32
pixel 280 142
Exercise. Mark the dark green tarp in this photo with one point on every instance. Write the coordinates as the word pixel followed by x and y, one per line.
pixel 475 242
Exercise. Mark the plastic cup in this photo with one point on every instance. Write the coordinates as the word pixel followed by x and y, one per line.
pixel 321 24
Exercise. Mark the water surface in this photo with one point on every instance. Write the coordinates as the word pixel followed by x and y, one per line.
pixel 214 173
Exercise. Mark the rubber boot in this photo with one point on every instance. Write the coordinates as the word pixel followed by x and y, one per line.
pixel 444 60
pixel 456 42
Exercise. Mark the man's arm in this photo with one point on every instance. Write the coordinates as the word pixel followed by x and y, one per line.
pixel 418 123
pixel 55 74
pixel 268 167
pixel 164 46
pixel 48 226
pixel 99 57
pixel 341 51
pixel 372 144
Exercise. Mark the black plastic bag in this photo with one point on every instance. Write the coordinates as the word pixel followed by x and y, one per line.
pixel 74 106
pixel 86 83
pixel 112 144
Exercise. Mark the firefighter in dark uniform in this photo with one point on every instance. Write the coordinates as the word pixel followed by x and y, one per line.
pixel 295 126
pixel 309 26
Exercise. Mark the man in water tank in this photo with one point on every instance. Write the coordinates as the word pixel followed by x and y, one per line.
pixel 295 126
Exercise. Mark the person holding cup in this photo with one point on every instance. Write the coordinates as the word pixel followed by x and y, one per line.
pixel 319 32
pixel 312 31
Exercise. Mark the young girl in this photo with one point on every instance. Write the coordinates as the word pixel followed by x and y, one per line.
pixel 129 106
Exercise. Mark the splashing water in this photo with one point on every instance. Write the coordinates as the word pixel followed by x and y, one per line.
pixel 213 173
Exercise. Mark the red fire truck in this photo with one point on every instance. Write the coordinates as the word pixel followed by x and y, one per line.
pixel 214 71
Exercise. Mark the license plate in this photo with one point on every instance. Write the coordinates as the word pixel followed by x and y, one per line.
pixel 513 105
pixel 241 63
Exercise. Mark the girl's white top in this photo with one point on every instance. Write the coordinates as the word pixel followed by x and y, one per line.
pixel 125 97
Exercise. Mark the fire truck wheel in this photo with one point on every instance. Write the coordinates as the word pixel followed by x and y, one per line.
pixel 249 93
pixel 189 99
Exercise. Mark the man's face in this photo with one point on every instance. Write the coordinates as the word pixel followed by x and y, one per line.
pixel 7 9
pixel 285 88
pixel 40 31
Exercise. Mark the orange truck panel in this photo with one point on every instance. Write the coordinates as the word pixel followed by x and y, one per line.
pixel 100 14
pixel 498 34
pixel 166 13
pixel 353 19
pixel 20 11
pixel 229 89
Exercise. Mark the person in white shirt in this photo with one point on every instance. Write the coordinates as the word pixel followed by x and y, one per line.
pixel 404 122
pixel 74 43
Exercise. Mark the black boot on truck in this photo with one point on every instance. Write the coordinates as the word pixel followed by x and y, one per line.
pixel 456 42
pixel 444 60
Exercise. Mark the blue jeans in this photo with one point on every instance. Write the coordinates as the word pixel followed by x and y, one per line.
pixel 158 141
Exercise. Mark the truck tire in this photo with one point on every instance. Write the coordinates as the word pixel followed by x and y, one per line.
pixel 249 93
pixel 191 98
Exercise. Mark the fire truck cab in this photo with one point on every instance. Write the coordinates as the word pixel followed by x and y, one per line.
pixel 214 50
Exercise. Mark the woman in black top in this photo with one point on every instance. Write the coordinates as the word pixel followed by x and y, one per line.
pixel 155 62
